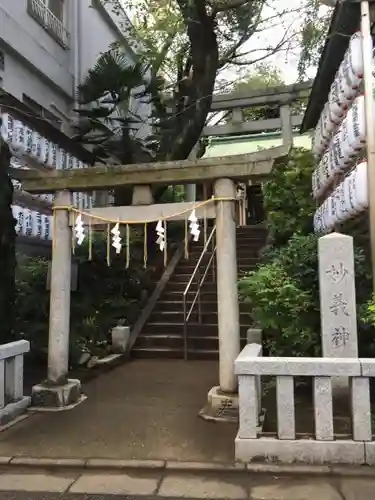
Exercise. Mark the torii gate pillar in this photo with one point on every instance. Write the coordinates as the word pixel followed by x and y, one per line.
pixel 227 297
pixel 57 391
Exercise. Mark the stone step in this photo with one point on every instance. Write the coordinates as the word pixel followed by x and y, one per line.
pixel 177 342
pixel 186 267
pixel 181 277
pixel 188 270
pixel 176 286
pixel 207 306
pixel 169 353
pixel 176 295
pixel 177 316
pixel 250 250
pixel 206 330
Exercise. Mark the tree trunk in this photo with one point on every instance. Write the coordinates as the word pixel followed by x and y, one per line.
pixel 7 249
pixel 205 61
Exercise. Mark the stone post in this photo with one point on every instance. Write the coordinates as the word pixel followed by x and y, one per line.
pixel 59 316
pixel 337 300
pixel 58 391
pixel 227 294
pixel 142 195
pixel 191 189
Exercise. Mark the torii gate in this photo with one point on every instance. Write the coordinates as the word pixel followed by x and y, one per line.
pixel 58 391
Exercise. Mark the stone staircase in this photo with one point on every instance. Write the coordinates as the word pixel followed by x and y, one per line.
pixel 163 335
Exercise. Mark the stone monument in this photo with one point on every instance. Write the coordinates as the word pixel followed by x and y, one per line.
pixel 337 300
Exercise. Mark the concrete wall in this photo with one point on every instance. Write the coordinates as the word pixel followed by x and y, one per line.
pixel 98 29
pixel 19 79
pixel 32 45
pixel 38 66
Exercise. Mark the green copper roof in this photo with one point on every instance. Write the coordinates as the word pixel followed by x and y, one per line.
pixel 237 145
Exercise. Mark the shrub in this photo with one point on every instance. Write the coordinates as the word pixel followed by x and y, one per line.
pixel 283 292
pixel 287 196
pixel 104 296
pixel 282 309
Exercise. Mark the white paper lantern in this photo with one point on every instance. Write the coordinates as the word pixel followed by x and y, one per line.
pixel 361 189
pixel 326 219
pixel 18 215
pixel 38 228
pixel 345 88
pixel 28 140
pixel 7 128
pixel 355 57
pixel 80 201
pixel 317 220
pixel 71 162
pixel 357 126
pixel 52 155
pixel 320 142
pixel 36 149
pixel 338 154
pixel 75 199
pixel 28 223
pixel 18 142
pixel 61 159
pixel 46 227
pixel 17 186
pixel 45 151
pixel 50 221
pixel 336 105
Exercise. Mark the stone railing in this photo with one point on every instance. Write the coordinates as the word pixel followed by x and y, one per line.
pixel 55 27
pixel 323 448
pixel 12 400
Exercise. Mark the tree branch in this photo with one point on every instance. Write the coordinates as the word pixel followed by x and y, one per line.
pixel 204 54
pixel 222 6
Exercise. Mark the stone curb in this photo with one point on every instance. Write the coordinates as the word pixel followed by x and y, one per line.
pixel 186 467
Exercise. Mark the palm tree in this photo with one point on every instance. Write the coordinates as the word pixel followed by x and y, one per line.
pixel 107 122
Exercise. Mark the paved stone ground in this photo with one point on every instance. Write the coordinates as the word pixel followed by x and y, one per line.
pixel 39 485
pixel 145 409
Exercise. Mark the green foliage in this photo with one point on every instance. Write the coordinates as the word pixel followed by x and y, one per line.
pixel 105 295
pixel 261 77
pixel 185 44
pixel 366 318
pixel 283 292
pixel 106 122
pixel 313 34
pixel 282 308
pixel 287 195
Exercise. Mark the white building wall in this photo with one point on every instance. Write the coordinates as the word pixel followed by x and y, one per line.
pixel 19 79
pixel 47 72
pixel 98 29
pixel 37 50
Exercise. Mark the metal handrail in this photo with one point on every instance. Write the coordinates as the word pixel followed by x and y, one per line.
pixel 200 283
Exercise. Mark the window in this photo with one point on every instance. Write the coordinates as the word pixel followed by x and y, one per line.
pixel 44 113
pixel 56 7
pixel 50 15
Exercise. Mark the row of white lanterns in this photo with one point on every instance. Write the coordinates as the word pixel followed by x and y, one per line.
pixel 29 222
pixel 32 224
pixel 23 141
pixel 347 201
pixel 344 89
pixel 344 148
pixel 82 201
